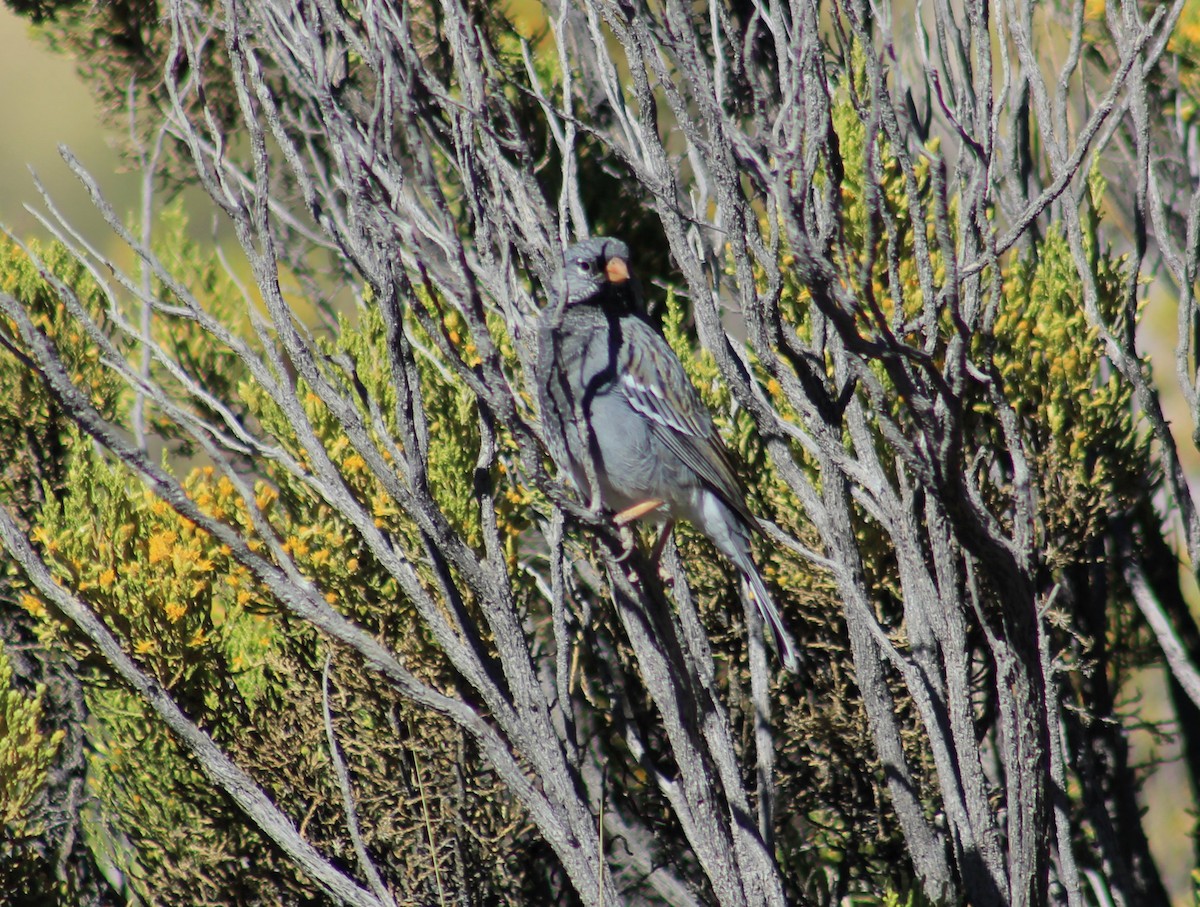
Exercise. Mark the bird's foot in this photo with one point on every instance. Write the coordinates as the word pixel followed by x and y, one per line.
pixel 625 520
pixel 628 544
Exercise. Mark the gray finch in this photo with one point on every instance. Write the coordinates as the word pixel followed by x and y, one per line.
pixel 617 405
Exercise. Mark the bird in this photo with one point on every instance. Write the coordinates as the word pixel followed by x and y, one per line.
pixel 619 413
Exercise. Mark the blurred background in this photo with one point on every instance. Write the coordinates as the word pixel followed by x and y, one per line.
pixel 43 103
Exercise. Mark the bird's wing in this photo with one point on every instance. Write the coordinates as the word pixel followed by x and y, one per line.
pixel 655 385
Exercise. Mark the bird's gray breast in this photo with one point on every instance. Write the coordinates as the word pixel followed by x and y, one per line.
pixel 585 414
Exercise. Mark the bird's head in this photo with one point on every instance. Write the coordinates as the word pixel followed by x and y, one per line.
pixel 596 271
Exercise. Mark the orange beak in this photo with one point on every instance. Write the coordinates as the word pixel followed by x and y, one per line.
pixel 617 270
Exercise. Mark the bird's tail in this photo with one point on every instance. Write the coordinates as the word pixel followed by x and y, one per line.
pixel 756 591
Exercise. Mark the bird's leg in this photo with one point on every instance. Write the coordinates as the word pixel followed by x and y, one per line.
pixel 637 511
pixel 656 554
pixel 624 521
pixel 626 517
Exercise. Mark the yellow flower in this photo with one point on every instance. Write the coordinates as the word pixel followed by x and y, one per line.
pixel 161 544
pixel 264 495
pixel 175 611
pixel 33 605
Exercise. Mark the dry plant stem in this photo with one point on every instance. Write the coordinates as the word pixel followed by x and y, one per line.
pixel 343 777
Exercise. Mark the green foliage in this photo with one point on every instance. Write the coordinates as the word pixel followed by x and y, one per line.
pixel 27 751
pixel 164 586
pixel 870 170
pixel 1089 454
pixel 33 425
pixel 174 838
pixel 237 663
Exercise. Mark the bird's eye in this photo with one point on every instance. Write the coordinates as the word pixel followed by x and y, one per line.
pixel 584 265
